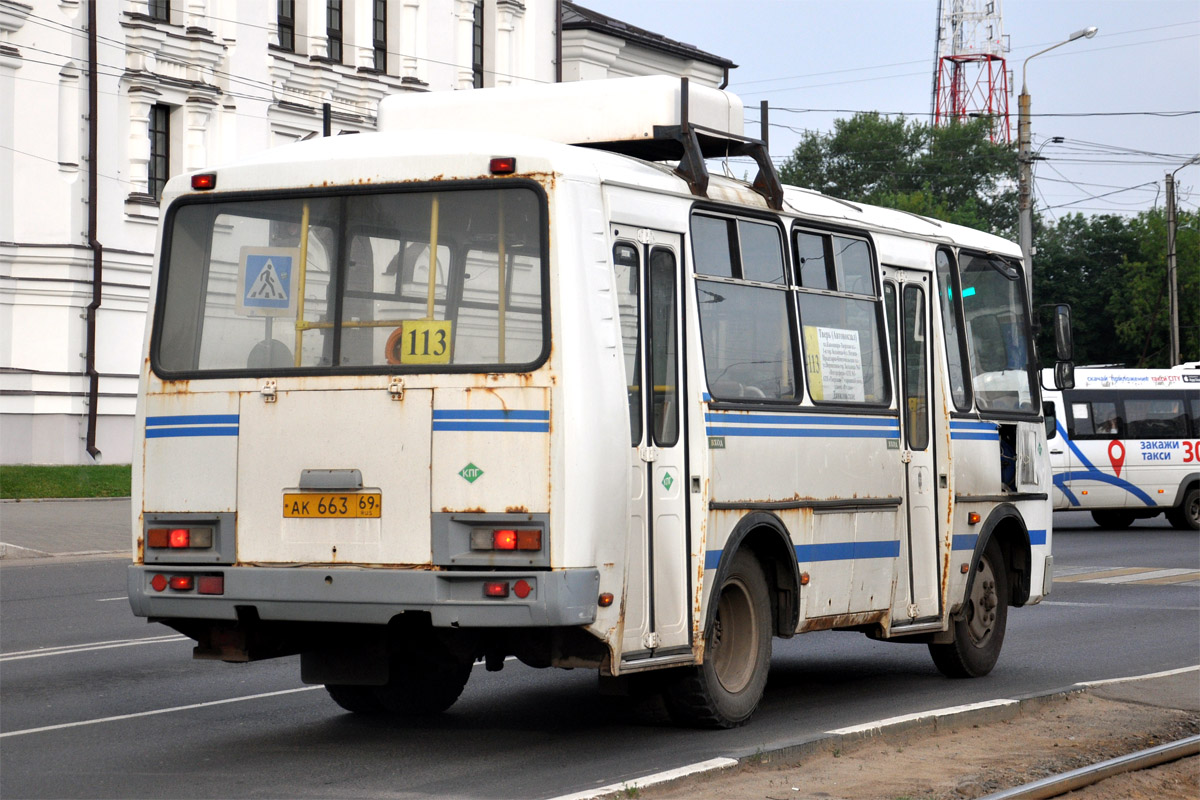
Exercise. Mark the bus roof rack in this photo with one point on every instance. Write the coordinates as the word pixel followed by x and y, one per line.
pixel 656 118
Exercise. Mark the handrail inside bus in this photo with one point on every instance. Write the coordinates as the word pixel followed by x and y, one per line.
pixel 431 277
pixel 304 215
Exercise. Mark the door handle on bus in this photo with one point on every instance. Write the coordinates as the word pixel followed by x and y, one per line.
pixel 1056 452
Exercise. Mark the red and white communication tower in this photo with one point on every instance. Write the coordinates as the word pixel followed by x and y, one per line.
pixel 971 75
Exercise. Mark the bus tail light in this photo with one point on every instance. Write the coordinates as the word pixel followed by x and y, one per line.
pixel 182 583
pixel 495 589
pixel 204 181
pixel 210 584
pixel 179 538
pixel 503 165
pixel 506 539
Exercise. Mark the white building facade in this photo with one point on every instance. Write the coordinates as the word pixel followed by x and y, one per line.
pixel 181 85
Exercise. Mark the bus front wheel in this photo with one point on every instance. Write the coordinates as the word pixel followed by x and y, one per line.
pixel 1187 516
pixel 724 690
pixel 1114 520
pixel 979 629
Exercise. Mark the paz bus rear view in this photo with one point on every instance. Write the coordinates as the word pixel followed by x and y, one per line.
pixel 515 377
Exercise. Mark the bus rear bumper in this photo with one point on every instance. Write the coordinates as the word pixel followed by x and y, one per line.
pixel 369 595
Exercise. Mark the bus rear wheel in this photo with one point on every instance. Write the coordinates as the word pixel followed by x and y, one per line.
pixel 979 630
pixel 418 686
pixel 1116 520
pixel 725 690
pixel 1187 515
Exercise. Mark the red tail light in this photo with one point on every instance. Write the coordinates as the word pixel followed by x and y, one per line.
pixel 181 537
pixel 204 182
pixel 210 584
pixel 504 540
pixel 504 165
pixel 495 589
pixel 182 583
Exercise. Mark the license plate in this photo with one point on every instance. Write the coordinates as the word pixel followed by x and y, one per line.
pixel 309 505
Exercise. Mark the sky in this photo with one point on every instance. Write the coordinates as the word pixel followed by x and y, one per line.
pixel 1115 98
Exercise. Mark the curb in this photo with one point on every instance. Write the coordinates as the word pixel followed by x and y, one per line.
pixel 941 719
pixel 62 499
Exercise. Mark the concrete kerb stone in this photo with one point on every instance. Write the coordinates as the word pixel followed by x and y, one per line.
pixel 947 719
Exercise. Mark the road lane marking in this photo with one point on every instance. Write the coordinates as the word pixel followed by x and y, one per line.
pixel 1122 606
pixel 1136 576
pixel 1152 576
pixel 650 780
pixel 157 711
pixel 110 599
pixel 71 649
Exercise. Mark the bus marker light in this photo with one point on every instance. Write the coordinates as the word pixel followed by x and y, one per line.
pixel 204 182
pixel 964 568
pixel 606 600
pixel 182 583
pixel 522 589
pixel 1085 491
pixel 495 589
pixel 804 579
pixel 973 518
pixel 210 584
pixel 504 165
pixel 158 582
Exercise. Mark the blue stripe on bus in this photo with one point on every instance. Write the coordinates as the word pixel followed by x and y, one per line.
pixel 963 541
pixel 980 437
pixel 170 433
pixel 961 425
pixel 801 419
pixel 1037 537
pixel 833 551
pixel 193 419
pixel 509 427
pixel 491 413
pixel 1092 473
pixel 820 433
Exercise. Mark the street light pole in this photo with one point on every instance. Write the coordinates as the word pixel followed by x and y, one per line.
pixel 1025 164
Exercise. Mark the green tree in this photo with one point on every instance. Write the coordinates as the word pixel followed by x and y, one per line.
pixel 953 173
pixel 1141 310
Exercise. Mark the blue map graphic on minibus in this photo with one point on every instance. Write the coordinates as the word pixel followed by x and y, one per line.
pixel 268 281
pixel 1092 473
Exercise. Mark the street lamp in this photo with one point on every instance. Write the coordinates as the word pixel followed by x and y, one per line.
pixel 1172 275
pixel 1025 163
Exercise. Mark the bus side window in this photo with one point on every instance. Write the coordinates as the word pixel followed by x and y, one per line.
pixel 628 278
pixel 1158 418
pixel 1107 419
pixel 1081 420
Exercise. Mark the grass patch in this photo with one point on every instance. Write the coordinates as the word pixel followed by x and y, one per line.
pixel 27 482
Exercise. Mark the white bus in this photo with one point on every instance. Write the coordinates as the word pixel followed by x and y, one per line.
pixel 1127 445
pixel 496 381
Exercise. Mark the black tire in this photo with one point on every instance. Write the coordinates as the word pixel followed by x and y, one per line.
pixel 1186 517
pixel 418 685
pixel 1115 520
pixel 726 688
pixel 979 630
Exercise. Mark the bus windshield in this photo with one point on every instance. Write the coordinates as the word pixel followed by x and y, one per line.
pixel 993 295
pixel 343 282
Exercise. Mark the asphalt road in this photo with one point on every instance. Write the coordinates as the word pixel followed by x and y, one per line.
pixel 97 703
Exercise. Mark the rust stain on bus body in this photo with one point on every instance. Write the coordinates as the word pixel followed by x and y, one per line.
pixel 843 621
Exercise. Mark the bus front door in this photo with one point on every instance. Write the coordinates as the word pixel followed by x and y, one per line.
pixel 657 623
pixel 917 451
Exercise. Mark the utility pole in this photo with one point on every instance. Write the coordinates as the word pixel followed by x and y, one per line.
pixel 1172 276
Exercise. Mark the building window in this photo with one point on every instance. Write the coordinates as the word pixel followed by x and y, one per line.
pixel 160 149
pixel 159 10
pixel 477 45
pixel 379 34
pixel 333 28
pixel 287 25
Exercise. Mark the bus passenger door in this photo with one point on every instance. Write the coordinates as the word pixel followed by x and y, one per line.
pixel 647 265
pixel 911 347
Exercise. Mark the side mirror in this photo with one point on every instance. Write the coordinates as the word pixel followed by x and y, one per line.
pixel 1064 347
pixel 1049 420
pixel 1064 375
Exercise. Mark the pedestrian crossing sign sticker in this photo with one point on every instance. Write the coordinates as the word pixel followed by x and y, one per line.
pixel 267 277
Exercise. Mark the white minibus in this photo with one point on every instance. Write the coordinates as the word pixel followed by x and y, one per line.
pixel 516 376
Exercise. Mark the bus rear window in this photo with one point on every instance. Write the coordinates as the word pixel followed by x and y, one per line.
pixel 411 281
